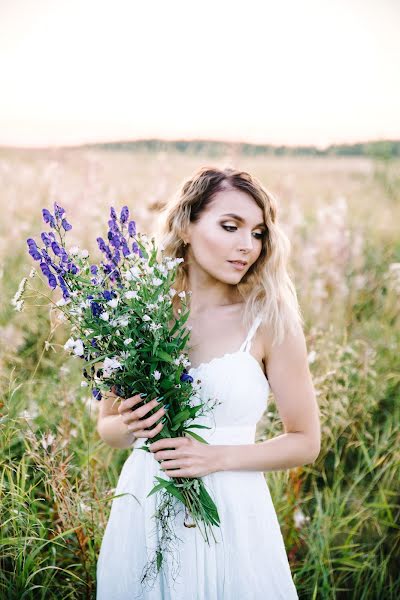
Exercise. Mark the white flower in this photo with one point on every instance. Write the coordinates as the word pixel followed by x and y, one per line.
pixel 182 294
pixel 130 294
pixel 19 293
pixel 78 348
pixel 124 322
pixel 113 303
pixel 172 292
pixel 47 440
pixel 156 375
pixel 69 344
pixel 299 518
pixel 19 305
pixel 146 318
pixel 157 281
pixel 128 341
pixel 74 251
pixel 124 355
pixel 105 316
pixel 62 301
pixel 110 365
pixel 311 356
pixel 84 383
pixel 84 253
pixel 160 298
pixel 32 273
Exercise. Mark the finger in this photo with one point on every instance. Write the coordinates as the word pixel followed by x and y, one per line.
pixel 145 423
pixel 170 443
pixel 130 416
pixel 129 403
pixel 149 433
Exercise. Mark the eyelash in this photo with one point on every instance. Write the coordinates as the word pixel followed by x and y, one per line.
pixel 260 234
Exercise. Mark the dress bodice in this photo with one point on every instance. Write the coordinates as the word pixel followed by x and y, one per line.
pixel 241 387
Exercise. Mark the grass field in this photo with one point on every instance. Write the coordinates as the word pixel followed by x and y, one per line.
pixel 340 515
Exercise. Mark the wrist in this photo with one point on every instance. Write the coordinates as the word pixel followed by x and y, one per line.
pixel 221 454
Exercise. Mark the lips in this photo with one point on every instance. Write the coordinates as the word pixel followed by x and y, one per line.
pixel 240 262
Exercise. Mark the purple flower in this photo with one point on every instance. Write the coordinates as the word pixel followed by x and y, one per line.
pixel 33 249
pixel 58 211
pixel 66 225
pixel 93 342
pixel 125 248
pixel 48 217
pixel 56 248
pixel 114 239
pixel 46 239
pixel 124 214
pixel 185 377
pixel 113 214
pixel 132 228
pixel 94 269
pixel 96 308
pixel 108 295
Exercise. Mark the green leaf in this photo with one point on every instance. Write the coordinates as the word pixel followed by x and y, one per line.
pixel 196 437
pixel 164 355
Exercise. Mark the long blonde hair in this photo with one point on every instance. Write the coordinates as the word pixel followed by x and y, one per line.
pixel 266 288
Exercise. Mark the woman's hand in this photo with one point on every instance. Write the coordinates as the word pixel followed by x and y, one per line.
pixel 186 457
pixel 134 418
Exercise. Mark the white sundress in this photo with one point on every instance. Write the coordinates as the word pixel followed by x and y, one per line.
pixel 248 561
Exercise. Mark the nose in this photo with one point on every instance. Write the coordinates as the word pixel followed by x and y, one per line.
pixel 246 242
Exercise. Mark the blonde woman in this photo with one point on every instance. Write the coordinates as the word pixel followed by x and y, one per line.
pixel 246 339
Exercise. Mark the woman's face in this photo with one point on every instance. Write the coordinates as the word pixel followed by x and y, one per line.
pixel 218 238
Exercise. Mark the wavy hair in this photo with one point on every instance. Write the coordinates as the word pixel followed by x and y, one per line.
pixel 267 288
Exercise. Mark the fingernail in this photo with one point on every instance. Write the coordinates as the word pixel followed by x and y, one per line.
pixel 159 399
pixel 163 419
pixel 142 395
pixel 166 406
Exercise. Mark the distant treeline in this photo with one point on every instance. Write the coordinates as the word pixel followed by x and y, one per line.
pixel 376 149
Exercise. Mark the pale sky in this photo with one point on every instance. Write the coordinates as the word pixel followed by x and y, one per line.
pixel 267 71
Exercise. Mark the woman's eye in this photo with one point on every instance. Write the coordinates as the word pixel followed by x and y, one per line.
pixel 230 227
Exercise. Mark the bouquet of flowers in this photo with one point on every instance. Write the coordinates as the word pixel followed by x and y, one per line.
pixel 124 328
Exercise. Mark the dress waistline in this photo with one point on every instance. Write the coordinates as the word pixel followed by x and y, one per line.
pixel 221 434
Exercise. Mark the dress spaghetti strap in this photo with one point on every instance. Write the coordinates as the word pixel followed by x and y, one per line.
pixel 245 347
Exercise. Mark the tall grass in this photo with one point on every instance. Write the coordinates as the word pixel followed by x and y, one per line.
pixel 340 515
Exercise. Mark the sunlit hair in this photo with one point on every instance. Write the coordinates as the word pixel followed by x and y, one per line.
pixel 266 288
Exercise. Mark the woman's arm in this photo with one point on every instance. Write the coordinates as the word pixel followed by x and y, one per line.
pixel 290 381
pixel 110 427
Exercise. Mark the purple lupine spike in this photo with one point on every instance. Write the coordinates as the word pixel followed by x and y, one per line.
pixel 58 210
pixel 113 239
pixel 52 280
pixel 135 247
pixel 48 217
pixel 125 249
pixel 66 225
pixel 94 269
pixel 132 228
pixel 117 257
pixel 33 249
pixel 107 295
pixel 113 214
pixel 96 394
pixel 124 214
pixel 56 248
pixel 45 268
pixel 46 239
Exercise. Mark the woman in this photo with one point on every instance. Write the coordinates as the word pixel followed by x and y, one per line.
pixel 246 338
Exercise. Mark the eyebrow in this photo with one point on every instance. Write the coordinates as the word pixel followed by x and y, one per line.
pixel 240 219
